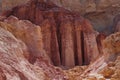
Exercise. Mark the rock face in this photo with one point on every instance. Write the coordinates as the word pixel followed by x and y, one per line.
pixel 100 12
pixel 90 44
pixel 13 64
pixel 117 23
pixel 106 66
pixel 68 39
pixel 38 35
pixel 111 46
pixel 8 5
pixel 21 28
pixel 34 57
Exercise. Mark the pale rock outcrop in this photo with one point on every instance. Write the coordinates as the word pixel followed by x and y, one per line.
pixel 112 46
pixel 13 64
pixel 29 33
pixel 102 67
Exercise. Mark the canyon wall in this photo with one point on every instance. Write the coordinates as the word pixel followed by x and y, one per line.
pixel 43 41
pixel 68 38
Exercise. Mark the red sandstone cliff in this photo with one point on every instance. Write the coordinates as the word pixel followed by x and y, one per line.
pixel 49 36
pixel 67 37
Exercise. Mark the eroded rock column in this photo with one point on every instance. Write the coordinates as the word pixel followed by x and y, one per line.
pixel 78 42
pixel 66 30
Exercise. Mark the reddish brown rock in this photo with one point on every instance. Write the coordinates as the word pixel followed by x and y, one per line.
pixel 50 41
pixel 38 16
pixel 53 73
pixel 78 42
pixel 46 32
pixel 100 39
pixel 116 23
pixel 68 39
pixel 66 30
pixel 2 75
pixel 90 44
pixel 63 38
pixel 117 27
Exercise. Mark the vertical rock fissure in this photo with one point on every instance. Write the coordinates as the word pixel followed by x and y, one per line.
pixel 82 48
pixel 59 40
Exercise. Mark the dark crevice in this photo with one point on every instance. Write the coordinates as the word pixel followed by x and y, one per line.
pixel 59 39
pixel 82 48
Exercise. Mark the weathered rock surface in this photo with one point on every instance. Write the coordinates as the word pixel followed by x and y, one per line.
pixel 38 59
pixel 50 41
pixel 117 23
pixel 100 43
pixel 100 12
pixel 105 66
pixel 13 64
pixel 90 44
pixel 56 36
pixel 29 33
pixel 63 33
pixel 9 4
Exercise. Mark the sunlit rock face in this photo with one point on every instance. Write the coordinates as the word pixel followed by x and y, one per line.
pixel 112 45
pixel 13 62
pixel 29 33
